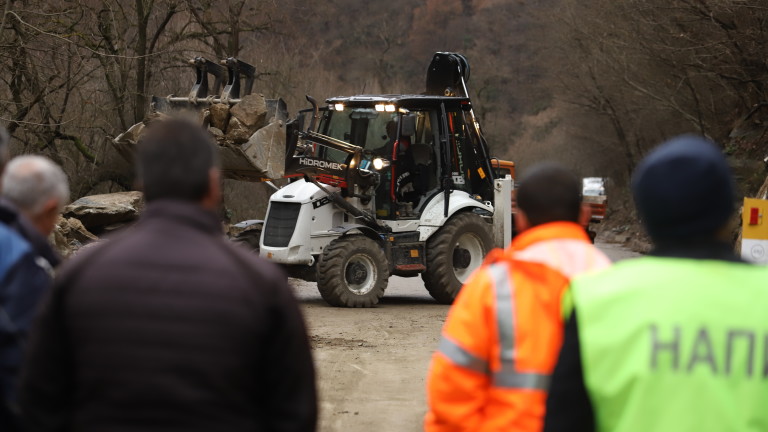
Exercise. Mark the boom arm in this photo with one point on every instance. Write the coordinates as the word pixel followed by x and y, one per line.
pixel 447 75
pixel 297 161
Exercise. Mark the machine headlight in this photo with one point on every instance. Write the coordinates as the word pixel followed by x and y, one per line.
pixel 387 108
pixel 339 107
pixel 380 163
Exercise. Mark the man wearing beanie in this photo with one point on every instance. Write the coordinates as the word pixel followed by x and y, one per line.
pixel 676 340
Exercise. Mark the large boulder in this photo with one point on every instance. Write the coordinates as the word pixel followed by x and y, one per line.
pixel 99 213
pixel 70 235
pixel 251 111
pixel 219 116
pixel 238 132
pixel 266 149
pixel 125 143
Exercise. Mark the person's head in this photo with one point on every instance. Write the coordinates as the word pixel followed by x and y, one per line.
pixel 176 159
pixel 392 129
pixel 549 192
pixel 38 188
pixel 684 190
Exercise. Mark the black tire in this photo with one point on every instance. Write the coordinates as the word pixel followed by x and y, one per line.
pixel 249 239
pixel 352 272
pixel 446 273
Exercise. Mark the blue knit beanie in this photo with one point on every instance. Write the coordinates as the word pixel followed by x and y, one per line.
pixel 683 189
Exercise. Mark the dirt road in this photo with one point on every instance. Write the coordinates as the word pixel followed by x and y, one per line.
pixel 372 363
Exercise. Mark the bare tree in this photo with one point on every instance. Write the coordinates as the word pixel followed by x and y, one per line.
pixel 653 68
pixel 222 25
pixel 81 71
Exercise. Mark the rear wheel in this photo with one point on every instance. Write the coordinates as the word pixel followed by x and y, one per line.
pixel 352 272
pixel 453 253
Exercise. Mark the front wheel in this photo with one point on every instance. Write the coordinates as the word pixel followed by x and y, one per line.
pixel 352 272
pixel 453 253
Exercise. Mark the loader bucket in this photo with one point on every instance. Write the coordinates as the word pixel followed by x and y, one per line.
pixel 247 153
pixel 250 131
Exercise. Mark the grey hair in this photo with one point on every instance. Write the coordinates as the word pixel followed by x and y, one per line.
pixel 29 182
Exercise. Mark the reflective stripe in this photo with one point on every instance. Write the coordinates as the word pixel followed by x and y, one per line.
pixel 508 376
pixel 461 357
pixel 505 318
pixel 521 380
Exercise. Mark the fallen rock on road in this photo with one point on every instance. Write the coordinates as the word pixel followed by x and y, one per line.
pixel 105 212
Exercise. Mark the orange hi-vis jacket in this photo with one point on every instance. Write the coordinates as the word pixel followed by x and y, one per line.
pixel 503 333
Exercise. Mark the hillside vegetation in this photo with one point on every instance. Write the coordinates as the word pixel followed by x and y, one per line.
pixel 592 84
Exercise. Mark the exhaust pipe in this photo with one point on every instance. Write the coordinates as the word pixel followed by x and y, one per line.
pixel 315 113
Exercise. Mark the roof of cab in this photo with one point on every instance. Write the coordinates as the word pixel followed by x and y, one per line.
pixel 404 100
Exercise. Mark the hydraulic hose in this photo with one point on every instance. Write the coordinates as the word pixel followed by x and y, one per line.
pixel 337 199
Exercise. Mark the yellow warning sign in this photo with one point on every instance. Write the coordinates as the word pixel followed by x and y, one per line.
pixel 754 230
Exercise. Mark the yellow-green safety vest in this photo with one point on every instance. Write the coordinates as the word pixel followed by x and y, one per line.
pixel 671 344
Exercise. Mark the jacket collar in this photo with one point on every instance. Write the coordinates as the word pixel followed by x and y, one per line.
pixel 699 248
pixel 183 212
pixel 11 217
pixel 8 213
pixel 549 231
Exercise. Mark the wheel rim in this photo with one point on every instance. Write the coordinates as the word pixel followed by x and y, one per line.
pixel 360 274
pixel 474 246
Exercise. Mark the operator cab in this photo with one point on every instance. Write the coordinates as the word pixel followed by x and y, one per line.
pixel 404 139
pixel 406 131
pixel 429 144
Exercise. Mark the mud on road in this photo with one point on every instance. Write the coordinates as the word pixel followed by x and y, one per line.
pixel 372 363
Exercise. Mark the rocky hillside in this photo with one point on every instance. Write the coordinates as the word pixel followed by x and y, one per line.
pixel 592 84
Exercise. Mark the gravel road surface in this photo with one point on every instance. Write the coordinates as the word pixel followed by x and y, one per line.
pixel 372 363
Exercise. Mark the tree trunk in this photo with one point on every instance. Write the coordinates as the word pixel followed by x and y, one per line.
pixel 140 101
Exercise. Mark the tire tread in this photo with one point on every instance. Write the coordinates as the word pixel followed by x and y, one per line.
pixel 439 278
pixel 330 277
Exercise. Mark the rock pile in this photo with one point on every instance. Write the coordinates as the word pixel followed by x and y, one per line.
pixel 83 221
pixel 250 135
pixel 107 212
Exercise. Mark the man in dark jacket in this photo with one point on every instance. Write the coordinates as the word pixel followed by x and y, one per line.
pixel 169 326
pixel 25 275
